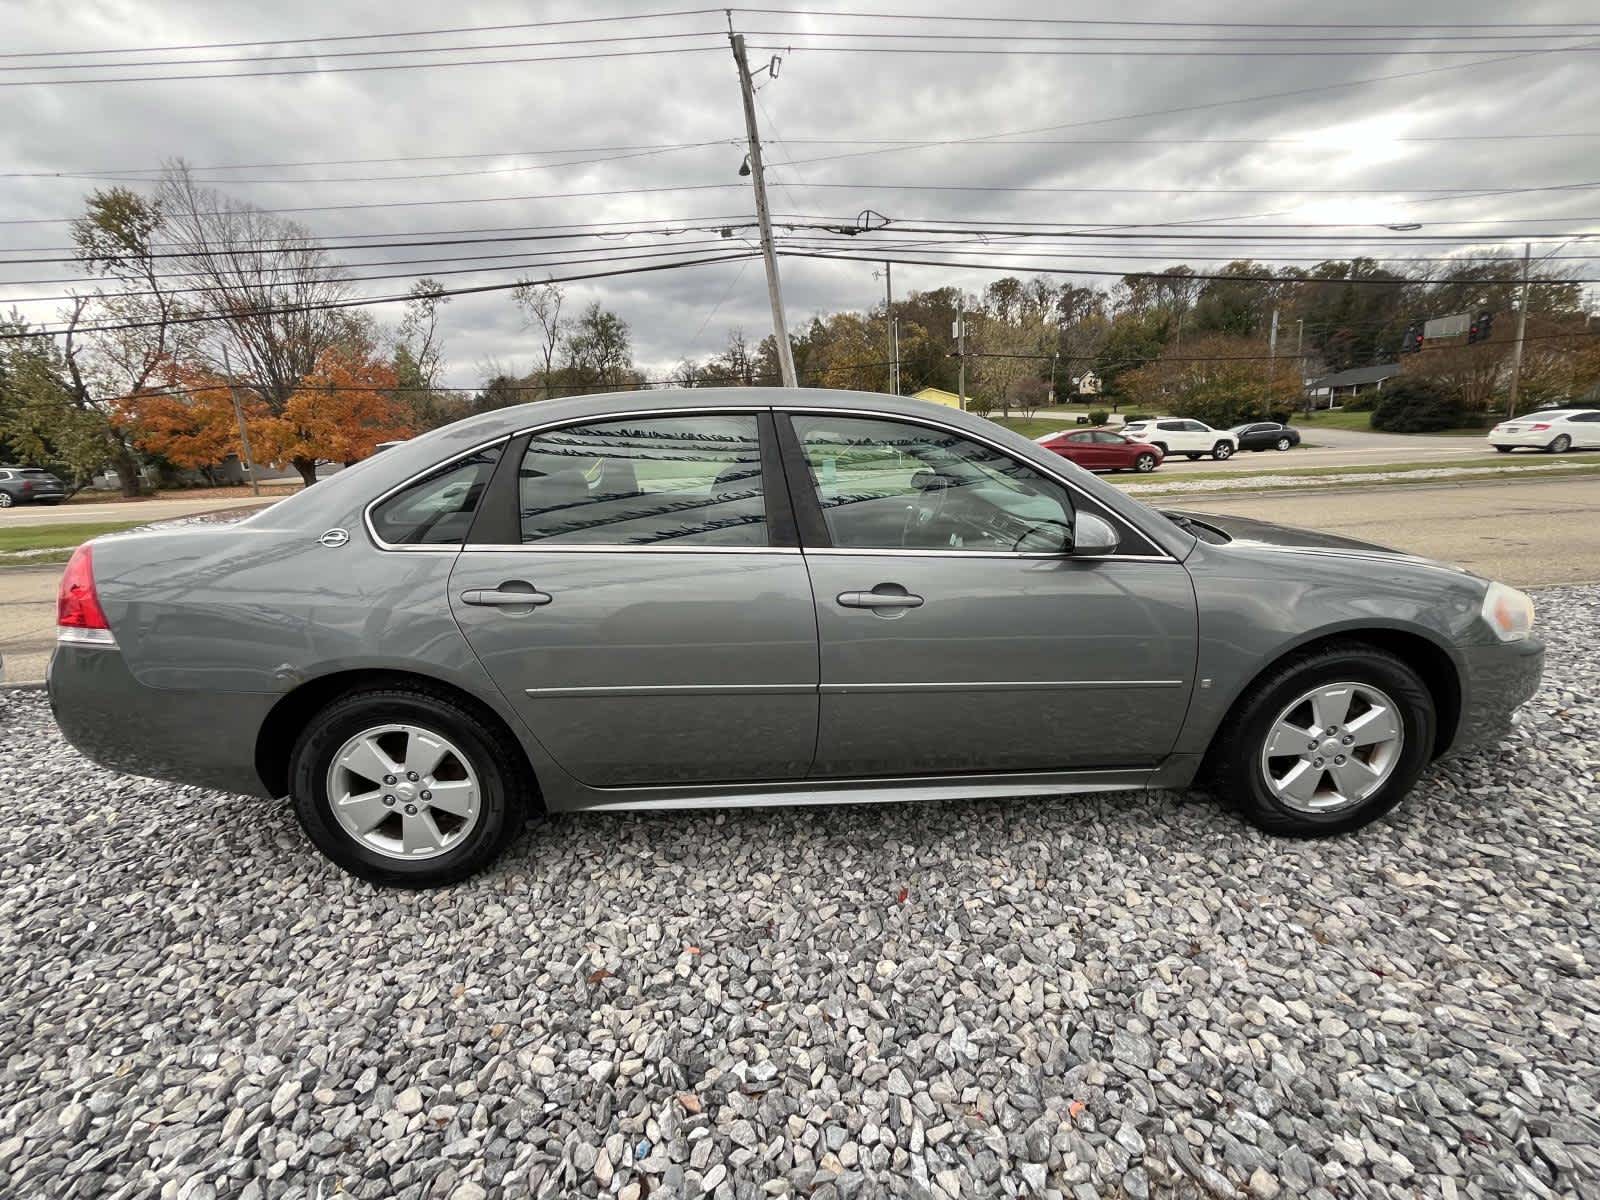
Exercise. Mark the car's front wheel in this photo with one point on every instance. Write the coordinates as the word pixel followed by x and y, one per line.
pixel 1222 450
pixel 1504 449
pixel 5 500
pixel 407 786
pixel 1145 463
pixel 1327 742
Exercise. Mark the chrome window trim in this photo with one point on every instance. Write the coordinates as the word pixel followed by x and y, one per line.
pixel 929 423
pixel 856 552
pixel 366 513
pixel 1160 554
pixel 620 548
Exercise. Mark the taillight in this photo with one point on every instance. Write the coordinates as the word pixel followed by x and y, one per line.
pixel 27 487
pixel 79 617
pixel 1539 426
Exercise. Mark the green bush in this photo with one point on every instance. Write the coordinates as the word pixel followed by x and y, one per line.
pixel 1416 406
pixel 1132 417
pixel 1364 403
pixel 1097 416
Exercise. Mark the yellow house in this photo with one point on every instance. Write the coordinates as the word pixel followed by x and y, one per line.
pixel 938 396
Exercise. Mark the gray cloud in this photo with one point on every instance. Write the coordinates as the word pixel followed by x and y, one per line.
pixel 820 94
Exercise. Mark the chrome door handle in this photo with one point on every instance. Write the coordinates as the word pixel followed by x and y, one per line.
pixel 496 598
pixel 879 600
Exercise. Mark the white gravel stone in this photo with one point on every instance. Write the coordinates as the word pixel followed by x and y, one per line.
pixel 1125 995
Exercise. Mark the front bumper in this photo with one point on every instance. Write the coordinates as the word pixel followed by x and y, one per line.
pixel 203 738
pixel 1498 678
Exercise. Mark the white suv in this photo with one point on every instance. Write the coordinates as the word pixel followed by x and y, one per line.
pixel 1179 435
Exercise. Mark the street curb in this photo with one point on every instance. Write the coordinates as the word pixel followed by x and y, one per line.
pixel 23 685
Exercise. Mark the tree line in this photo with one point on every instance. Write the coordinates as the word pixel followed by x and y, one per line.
pixel 199 312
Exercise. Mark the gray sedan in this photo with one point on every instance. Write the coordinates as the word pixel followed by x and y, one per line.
pixel 760 597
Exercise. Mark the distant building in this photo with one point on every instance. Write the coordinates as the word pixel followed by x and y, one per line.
pixel 1088 384
pixel 935 395
pixel 1343 385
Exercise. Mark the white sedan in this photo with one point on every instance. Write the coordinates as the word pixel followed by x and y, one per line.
pixel 1179 435
pixel 1556 431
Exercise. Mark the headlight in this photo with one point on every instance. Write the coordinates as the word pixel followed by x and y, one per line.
pixel 1508 612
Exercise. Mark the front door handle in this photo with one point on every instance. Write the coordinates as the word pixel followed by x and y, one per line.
pixel 502 598
pixel 879 600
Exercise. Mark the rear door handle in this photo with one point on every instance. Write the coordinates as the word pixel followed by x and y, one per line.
pixel 879 600
pixel 497 598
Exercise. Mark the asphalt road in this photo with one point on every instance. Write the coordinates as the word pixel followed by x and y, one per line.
pixel 1522 533
pixel 120 510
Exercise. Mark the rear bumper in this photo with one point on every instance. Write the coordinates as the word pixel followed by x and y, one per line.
pixel 1531 441
pixel 1497 680
pixel 203 738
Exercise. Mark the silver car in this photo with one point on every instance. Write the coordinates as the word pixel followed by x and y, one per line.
pixel 760 597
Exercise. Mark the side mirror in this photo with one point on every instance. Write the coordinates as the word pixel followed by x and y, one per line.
pixel 1093 536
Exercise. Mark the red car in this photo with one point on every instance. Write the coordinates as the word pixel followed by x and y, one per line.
pixel 1102 450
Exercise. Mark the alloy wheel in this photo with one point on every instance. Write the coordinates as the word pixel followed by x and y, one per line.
pixel 1145 463
pixel 404 792
pixel 1221 451
pixel 1284 443
pixel 5 500
pixel 1332 748
pixel 1561 445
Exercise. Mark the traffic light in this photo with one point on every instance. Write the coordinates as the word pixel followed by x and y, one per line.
pixel 1412 342
pixel 1480 329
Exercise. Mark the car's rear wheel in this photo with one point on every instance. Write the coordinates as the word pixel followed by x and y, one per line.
pixel 1192 457
pixel 1504 449
pixel 1326 743
pixel 1284 443
pixel 1221 451
pixel 407 786
pixel 1145 463
pixel 1561 445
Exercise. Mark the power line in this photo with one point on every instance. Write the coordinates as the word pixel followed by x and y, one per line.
pixel 472 62
pixel 331 277
pixel 1165 24
pixel 327 54
pixel 891 256
pixel 916 143
pixel 435 237
pixel 1032 52
pixel 363 301
pixel 367 37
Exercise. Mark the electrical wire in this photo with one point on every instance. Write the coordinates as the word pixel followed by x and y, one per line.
pixel 359 302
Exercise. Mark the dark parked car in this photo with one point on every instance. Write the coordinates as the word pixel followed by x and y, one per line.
pixel 1102 450
pixel 29 485
pixel 754 597
pixel 1266 435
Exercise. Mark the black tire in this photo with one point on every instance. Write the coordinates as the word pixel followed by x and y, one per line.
pixel 1561 445
pixel 1192 457
pixel 1285 444
pixel 505 782
pixel 1161 446
pixel 1145 463
pixel 1222 450
pixel 1234 762
pixel 1504 449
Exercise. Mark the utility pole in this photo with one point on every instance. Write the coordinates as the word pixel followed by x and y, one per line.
pixel 1272 355
pixel 961 358
pixel 1522 328
pixel 780 327
pixel 889 326
pixel 894 333
pixel 244 436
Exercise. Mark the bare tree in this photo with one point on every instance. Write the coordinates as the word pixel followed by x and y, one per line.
pixel 541 306
pixel 419 329
pixel 124 336
pixel 272 289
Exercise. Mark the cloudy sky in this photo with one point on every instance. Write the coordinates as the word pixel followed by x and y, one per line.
pixel 1147 137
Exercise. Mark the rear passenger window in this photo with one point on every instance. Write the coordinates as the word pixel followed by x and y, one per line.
pixel 646 481
pixel 437 509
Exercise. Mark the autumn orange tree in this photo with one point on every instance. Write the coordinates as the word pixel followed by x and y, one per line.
pixel 187 419
pixel 341 410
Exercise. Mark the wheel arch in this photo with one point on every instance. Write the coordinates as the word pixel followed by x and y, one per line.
pixel 1421 653
pixel 295 709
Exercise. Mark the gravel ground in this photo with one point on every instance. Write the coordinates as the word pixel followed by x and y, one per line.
pixel 1120 996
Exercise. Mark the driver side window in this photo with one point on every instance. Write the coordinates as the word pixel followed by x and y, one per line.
pixel 891 485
